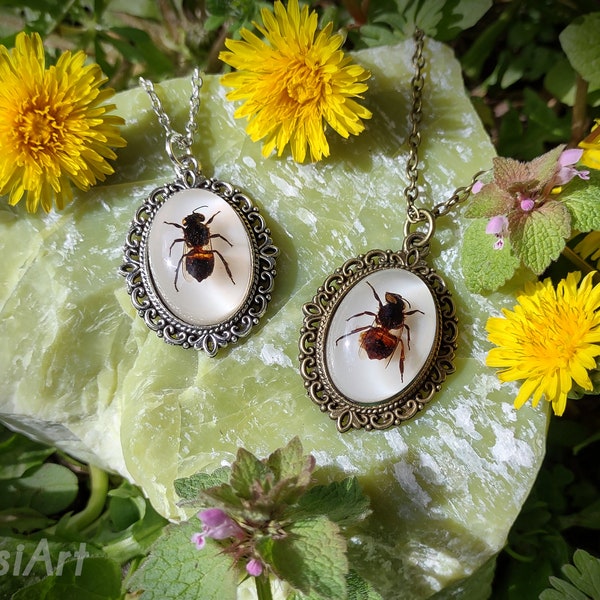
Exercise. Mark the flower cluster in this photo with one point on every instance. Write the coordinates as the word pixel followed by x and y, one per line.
pixel 293 81
pixel 218 525
pixel 54 130
pixel 519 190
pixel 551 340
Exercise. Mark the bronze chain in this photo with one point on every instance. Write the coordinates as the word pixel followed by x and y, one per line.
pixel 415 214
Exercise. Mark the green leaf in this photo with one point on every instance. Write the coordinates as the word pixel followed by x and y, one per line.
pixel 18 454
pixel 95 578
pixel 340 501
pixel 581 44
pixel 49 489
pixel 359 588
pixel 245 471
pixel 290 461
pixel 311 558
pixel 539 237
pixel 489 202
pixel 581 198
pixel 583 576
pixel 23 519
pixel 176 570
pixel 188 488
pixel 483 267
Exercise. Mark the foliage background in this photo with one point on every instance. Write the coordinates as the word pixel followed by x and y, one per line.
pixel 519 69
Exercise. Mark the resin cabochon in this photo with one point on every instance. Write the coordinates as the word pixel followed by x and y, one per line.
pixel 79 369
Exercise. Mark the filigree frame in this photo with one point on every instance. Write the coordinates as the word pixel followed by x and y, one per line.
pixel 142 289
pixel 318 314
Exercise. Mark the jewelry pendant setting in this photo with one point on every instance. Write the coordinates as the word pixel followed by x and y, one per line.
pixel 378 339
pixel 199 262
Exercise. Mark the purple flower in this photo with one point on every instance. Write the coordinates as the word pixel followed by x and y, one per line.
pixel 198 540
pixel 527 204
pixel 254 567
pixel 566 170
pixel 219 525
pixel 498 226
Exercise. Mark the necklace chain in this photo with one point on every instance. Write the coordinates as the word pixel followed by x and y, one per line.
pixel 411 192
pixel 181 141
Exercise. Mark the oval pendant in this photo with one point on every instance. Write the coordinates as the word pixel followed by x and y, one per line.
pixel 199 263
pixel 378 339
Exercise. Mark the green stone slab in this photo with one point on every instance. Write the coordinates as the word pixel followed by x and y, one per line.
pixel 80 369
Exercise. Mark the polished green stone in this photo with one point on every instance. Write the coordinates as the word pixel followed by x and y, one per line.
pixel 80 369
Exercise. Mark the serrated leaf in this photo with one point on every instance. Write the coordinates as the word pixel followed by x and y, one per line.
pixel 483 267
pixel 581 198
pixel 245 471
pixel 489 202
pixel 360 589
pixel 290 461
pixel 312 558
pixel 188 488
pixel 95 578
pixel 581 44
pixel 340 501
pixel 539 237
pixel 176 570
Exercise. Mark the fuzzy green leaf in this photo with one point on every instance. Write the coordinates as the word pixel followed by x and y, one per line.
pixel 95 578
pixel 176 570
pixel 341 501
pixel 581 198
pixel 290 461
pixel 358 589
pixel 188 488
pixel 489 202
pixel 245 471
pixel 311 558
pixel 483 267
pixel 539 237
pixel 584 578
pixel 581 44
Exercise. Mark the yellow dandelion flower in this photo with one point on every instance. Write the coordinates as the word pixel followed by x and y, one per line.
pixel 591 147
pixel 54 130
pixel 550 340
pixel 294 83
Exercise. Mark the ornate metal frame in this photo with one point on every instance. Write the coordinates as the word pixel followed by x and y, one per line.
pixel 317 319
pixel 141 287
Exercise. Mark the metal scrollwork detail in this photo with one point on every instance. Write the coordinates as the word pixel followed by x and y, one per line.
pixel 348 413
pixel 143 291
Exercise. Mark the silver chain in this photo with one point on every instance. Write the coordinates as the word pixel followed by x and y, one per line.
pixel 183 142
pixel 411 192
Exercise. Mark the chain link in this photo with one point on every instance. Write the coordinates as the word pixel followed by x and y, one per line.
pixel 174 138
pixel 411 192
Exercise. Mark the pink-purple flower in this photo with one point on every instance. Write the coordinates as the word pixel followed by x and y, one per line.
pixel 218 525
pixel 519 190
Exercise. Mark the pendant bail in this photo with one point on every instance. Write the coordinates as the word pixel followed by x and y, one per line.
pixel 419 238
pixel 183 160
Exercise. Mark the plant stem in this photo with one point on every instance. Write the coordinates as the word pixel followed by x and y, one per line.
pixel 263 587
pixel 96 501
pixel 579 123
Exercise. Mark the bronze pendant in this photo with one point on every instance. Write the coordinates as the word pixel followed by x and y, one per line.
pixel 378 339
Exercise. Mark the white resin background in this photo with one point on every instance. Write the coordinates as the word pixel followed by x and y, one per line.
pixel 79 368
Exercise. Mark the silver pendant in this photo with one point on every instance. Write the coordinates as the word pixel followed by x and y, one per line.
pixel 378 339
pixel 199 263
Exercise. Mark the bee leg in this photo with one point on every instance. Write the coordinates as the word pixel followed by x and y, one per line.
pixel 375 294
pixel 174 242
pixel 402 358
pixel 407 336
pixel 352 332
pixel 366 312
pixel 218 235
pixel 225 264
pixel 412 312
pixel 179 267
